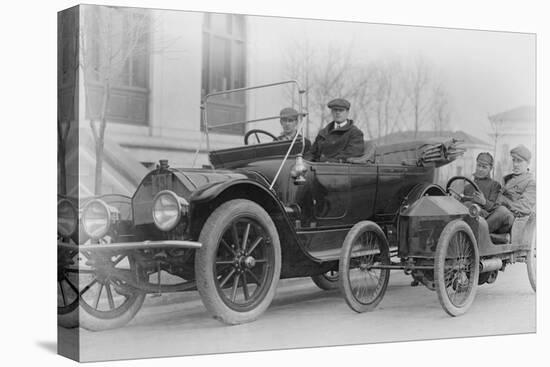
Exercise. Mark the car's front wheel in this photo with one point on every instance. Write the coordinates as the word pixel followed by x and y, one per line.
pixel 239 264
pixel 456 268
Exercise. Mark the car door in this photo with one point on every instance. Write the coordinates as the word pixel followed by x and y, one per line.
pixel 330 193
pixel 363 192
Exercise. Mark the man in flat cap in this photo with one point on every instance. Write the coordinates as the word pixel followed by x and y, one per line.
pixel 340 139
pixel 518 195
pixel 289 123
pixel 490 189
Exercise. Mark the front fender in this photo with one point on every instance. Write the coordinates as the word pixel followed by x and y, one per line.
pixel 206 199
pixel 213 190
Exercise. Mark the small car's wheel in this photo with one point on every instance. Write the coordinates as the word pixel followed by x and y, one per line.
pixel 327 281
pixel 456 272
pixel 239 264
pixel 106 300
pixel 362 282
pixel 532 261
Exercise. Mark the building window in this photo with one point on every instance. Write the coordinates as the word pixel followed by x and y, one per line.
pixel 223 68
pixel 117 49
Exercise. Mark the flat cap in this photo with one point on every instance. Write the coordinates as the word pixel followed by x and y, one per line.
pixel 485 157
pixel 339 103
pixel 288 112
pixel 521 152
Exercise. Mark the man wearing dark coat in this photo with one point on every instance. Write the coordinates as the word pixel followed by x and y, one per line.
pixel 340 139
pixel 490 189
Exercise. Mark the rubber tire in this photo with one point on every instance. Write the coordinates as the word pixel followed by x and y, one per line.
pixel 205 256
pixel 94 323
pixel 358 229
pixel 532 261
pixel 442 246
pixel 68 319
pixel 325 283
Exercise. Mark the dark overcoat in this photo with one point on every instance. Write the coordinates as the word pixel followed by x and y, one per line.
pixel 336 145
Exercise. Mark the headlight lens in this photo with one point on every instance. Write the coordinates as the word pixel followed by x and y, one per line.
pixel 168 209
pixel 67 218
pixel 474 210
pixel 96 218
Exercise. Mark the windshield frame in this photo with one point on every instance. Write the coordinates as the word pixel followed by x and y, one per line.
pixel 299 130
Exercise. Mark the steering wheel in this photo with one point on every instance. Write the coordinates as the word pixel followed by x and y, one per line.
pixel 449 190
pixel 256 132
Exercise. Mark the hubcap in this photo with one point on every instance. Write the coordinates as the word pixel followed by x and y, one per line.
pixel 243 267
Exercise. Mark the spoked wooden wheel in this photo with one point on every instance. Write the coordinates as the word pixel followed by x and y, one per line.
pixel 239 263
pixel 362 282
pixel 67 289
pixel 456 272
pixel 327 281
pixel 107 301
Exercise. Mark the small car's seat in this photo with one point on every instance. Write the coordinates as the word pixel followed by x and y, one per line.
pixel 500 238
pixel 368 157
pixel 521 231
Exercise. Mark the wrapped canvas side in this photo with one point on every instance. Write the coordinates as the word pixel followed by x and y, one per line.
pixel 68 21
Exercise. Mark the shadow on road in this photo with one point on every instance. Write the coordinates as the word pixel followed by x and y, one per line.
pixel 49 346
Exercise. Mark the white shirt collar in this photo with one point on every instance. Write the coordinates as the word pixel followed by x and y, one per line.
pixel 340 125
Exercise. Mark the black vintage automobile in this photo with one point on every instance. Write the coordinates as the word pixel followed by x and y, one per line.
pixel 258 214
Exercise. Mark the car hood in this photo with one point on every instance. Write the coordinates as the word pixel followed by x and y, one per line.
pixel 184 182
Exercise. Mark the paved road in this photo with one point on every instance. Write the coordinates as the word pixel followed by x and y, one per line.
pixel 304 316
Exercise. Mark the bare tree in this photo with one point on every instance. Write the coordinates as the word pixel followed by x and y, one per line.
pixel 299 66
pixel 330 73
pixel 385 96
pixel 390 97
pixel 110 37
pixel 440 109
pixel 417 82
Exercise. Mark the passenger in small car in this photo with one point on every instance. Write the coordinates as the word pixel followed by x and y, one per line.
pixel 289 123
pixel 340 139
pixel 490 188
pixel 517 196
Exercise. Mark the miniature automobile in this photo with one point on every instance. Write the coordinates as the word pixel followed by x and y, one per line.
pixel 260 213
pixel 442 242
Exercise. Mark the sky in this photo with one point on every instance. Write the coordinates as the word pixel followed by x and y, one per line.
pixel 484 72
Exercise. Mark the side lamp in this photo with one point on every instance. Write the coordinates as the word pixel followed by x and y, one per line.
pixel 299 170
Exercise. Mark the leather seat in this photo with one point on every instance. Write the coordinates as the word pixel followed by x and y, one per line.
pixel 368 157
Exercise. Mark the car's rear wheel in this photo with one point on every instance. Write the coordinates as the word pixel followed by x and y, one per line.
pixel 327 281
pixel 239 264
pixel 532 261
pixel 362 282
pixel 456 272
pixel 107 301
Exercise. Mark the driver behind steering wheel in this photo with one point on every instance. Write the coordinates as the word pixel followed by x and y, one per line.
pixel 490 188
pixel 289 123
